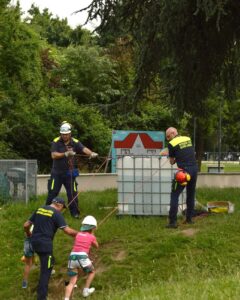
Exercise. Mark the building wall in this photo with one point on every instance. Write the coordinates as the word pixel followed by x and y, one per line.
pixel 86 182
pixel 102 181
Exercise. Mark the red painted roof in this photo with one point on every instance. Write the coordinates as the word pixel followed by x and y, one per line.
pixel 147 141
pixel 127 142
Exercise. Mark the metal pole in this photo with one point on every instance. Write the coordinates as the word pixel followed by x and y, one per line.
pixel 220 136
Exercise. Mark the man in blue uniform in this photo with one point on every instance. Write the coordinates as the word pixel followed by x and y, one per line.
pixel 46 220
pixel 182 153
pixel 64 168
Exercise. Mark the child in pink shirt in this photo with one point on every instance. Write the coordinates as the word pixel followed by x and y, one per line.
pixel 79 260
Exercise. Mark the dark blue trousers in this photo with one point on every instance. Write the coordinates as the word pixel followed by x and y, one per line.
pixel 54 186
pixel 46 265
pixel 177 190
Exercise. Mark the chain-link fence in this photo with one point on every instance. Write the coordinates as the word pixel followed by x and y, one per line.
pixel 18 180
pixel 224 156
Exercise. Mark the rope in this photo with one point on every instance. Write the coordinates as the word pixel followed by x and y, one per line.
pixel 107 216
pixel 87 156
pixel 106 158
pixel 88 182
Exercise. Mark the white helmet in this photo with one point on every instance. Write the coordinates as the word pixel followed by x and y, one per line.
pixel 65 128
pixel 89 220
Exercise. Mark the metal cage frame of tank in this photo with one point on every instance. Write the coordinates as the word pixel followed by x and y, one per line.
pixel 18 180
pixel 144 187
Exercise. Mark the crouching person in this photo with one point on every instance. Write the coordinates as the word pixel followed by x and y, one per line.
pixel 79 260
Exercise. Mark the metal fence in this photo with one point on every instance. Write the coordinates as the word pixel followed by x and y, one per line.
pixel 224 156
pixel 18 180
pixel 144 185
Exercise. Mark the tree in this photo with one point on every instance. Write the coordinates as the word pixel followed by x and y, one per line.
pixel 89 76
pixel 20 74
pixel 185 42
pixel 56 31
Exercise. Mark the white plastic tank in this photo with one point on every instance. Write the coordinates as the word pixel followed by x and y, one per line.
pixel 144 185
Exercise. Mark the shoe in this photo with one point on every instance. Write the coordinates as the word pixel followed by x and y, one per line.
pixel 76 216
pixel 24 284
pixel 189 221
pixel 87 292
pixel 172 225
pixel 53 272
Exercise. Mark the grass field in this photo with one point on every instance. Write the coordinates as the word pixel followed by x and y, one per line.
pixel 228 166
pixel 138 257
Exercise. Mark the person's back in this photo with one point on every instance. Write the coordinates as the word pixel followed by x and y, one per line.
pixel 46 223
pixel 181 152
pixel 181 148
pixel 79 259
pixel 46 220
pixel 83 242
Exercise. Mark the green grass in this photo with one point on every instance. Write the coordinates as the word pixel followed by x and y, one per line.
pixel 229 167
pixel 138 258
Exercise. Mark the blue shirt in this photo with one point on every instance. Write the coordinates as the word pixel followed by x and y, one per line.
pixel 46 220
pixel 182 150
pixel 61 165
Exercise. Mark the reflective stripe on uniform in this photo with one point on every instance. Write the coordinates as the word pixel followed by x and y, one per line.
pixel 44 212
pixel 182 141
pixel 52 185
pixel 49 261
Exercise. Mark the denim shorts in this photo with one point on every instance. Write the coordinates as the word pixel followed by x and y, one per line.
pixel 28 249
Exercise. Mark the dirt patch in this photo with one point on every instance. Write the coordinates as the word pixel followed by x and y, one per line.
pixel 121 255
pixel 101 269
pixel 189 232
pixel 111 244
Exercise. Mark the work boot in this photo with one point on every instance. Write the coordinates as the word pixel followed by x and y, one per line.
pixel 172 225
pixel 188 221
pixel 76 216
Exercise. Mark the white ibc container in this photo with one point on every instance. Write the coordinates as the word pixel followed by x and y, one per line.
pixel 124 162
pixel 147 163
pixel 125 168
pixel 139 175
pixel 127 162
pixel 156 187
pixel 156 175
pixel 138 162
pixel 123 209
pixel 155 162
pixel 144 185
pixel 165 187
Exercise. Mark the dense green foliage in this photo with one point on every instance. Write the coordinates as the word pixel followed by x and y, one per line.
pixel 138 257
pixel 50 72
pixel 39 88
pixel 193 46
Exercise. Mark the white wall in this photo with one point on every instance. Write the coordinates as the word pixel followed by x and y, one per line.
pixel 86 182
pixel 102 181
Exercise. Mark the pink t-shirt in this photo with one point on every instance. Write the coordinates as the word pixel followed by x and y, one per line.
pixel 83 242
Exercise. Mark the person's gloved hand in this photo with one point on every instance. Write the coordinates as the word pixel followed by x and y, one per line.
pixel 69 153
pixel 93 155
